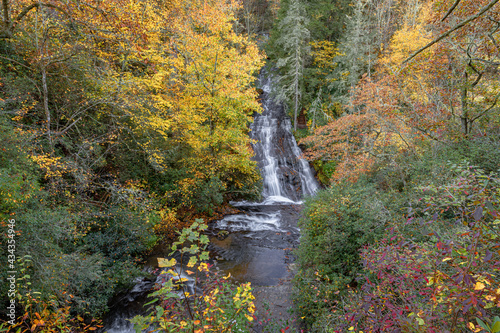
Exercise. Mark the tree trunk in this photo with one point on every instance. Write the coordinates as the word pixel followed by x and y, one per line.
pixel 295 113
pixel 6 18
pixel 314 120
pixel 465 112
pixel 46 104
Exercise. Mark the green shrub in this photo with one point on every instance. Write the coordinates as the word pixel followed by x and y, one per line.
pixel 324 170
pixel 338 222
pixel 342 220
pixel 118 233
pixel 483 152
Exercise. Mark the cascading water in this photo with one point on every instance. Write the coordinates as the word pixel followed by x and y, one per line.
pixel 131 303
pixel 286 175
pixel 256 248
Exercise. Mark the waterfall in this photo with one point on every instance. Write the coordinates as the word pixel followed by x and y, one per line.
pixel 286 175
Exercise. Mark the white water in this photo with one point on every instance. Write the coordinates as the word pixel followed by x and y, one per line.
pixel 251 222
pixel 120 322
pixel 277 153
pixel 257 249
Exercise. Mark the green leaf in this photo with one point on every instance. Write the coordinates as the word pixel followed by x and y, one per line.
pixel 159 312
pixel 194 249
pixel 153 301
pixel 204 239
pixel 483 325
pixel 192 261
pixel 496 327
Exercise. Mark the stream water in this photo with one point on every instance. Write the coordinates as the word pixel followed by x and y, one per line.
pixel 260 238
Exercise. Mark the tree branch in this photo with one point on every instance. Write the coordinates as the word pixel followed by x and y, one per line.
pixel 451 10
pixel 456 27
pixel 27 9
pixel 486 110
pixel 67 128
pixel 491 33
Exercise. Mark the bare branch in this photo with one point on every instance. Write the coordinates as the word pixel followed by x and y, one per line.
pixel 14 61
pixel 67 128
pixel 491 33
pixel 471 65
pixel 487 110
pixel 27 9
pixel 456 27
pixel 494 41
pixel 479 74
pixel 451 10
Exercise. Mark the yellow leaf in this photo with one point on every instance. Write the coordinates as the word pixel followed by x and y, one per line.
pixel 479 286
pixel 162 262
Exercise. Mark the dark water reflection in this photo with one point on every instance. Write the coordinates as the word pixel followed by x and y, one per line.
pixel 261 256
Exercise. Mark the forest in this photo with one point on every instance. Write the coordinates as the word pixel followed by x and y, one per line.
pixel 125 126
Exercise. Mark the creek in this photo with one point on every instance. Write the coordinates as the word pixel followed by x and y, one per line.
pixel 260 238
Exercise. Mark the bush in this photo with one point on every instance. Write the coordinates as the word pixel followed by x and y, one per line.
pixel 443 284
pixel 483 152
pixel 338 222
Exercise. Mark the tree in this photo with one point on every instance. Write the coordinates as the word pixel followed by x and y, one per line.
pixel 448 78
pixel 13 15
pixel 293 39
pixel 357 53
pixel 203 100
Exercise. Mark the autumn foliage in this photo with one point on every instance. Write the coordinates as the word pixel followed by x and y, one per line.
pixel 121 121
pixel 406 238
pixel 444 92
